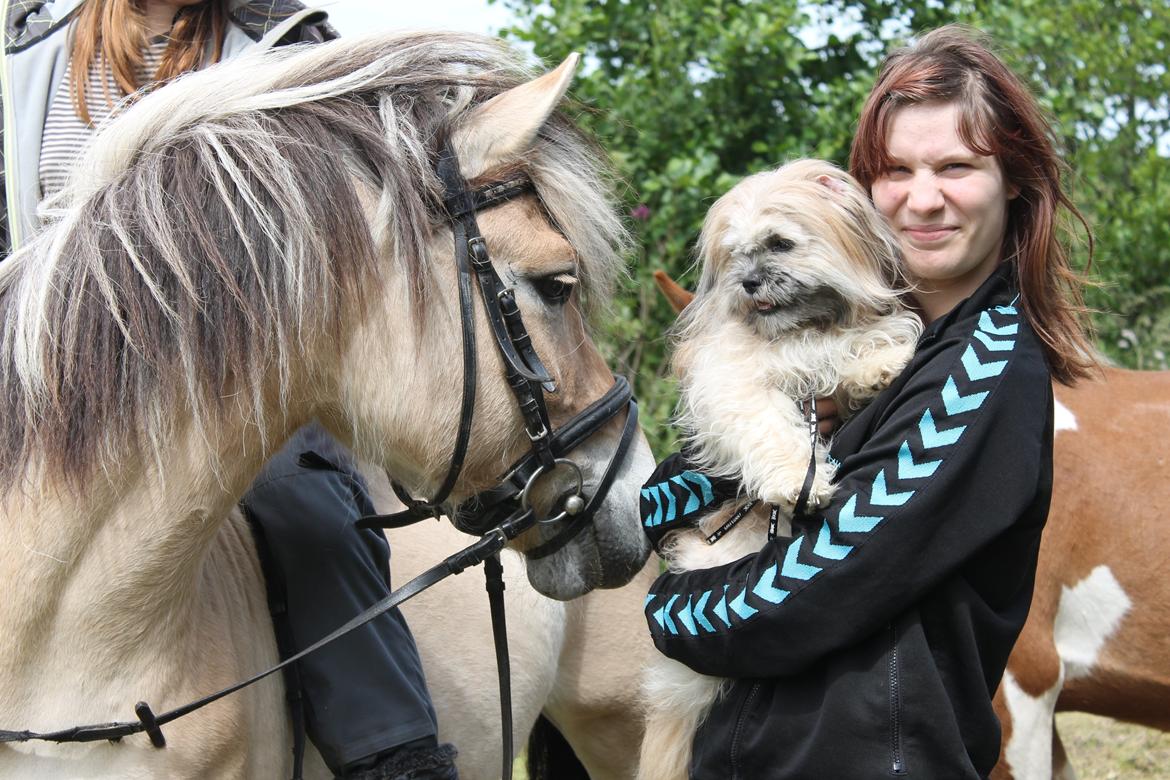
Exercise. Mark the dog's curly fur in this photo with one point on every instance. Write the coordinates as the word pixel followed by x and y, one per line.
pixel 799 298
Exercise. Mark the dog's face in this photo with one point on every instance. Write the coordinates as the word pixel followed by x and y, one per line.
pixel 796 248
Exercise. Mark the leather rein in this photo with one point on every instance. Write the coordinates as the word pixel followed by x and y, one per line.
pixel 498 515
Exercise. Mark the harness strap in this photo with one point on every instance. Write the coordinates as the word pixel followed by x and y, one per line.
pixel 522 366
pixel 731 522
pixel 493 572
pixel 489 544
pixel 809 409
pixel 578 523
pixel 485 506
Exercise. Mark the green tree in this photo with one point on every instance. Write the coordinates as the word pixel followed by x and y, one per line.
pixel 690 95
pixel 1101 70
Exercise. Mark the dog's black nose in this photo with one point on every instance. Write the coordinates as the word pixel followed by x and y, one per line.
pixel 752 282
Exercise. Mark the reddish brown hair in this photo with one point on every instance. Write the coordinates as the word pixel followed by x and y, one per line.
pixel 113 34
pixel 998 116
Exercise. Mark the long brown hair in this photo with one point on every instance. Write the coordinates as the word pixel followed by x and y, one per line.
pixel 112 33
pixel 997 116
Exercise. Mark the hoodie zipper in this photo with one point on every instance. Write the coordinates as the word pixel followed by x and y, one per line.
pixel 738 733
pixel 897 759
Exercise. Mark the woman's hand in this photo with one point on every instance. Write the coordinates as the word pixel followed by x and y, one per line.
pixel 828 420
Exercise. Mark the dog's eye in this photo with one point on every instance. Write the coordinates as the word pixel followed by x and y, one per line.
pixel 779 244
pixel 555 289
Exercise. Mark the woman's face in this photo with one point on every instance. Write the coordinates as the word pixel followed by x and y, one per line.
pixel 947 204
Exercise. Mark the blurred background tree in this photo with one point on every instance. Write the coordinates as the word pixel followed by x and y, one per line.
pixel 690 95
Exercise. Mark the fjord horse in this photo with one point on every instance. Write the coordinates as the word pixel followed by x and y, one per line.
pixel 209 281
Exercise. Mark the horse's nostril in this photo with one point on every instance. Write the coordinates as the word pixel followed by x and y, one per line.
pixel 752 283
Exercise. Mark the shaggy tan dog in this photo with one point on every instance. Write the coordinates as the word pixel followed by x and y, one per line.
pixel 798 299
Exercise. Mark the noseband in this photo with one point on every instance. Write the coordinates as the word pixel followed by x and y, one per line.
pixel 528 379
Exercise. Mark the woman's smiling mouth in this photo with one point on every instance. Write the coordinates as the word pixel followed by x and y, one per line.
pixel 926 234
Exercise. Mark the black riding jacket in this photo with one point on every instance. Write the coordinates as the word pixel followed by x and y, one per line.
pixel 871 642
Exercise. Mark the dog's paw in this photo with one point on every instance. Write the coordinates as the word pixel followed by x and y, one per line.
pixel 822 487
pixel 783 488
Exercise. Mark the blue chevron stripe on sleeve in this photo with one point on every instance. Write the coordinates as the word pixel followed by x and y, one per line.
pixel 850 522
pixel 656 494
pixel 977 369
pixel 703 483
pixel 720 608
pixel 993 344
pixel 991 329
pixel 911 464
pixel 825 547
pixel 958 404
pixel 692 499
pixel 649 598
pixel 908 469
pixel 1007 309
pixel 932 437
pixel 741 607
pixel 684 617
pixel 666 619
pixel 879 496
pixel 670 513
pixel 793 567
pixel 766 587
pixel 700 618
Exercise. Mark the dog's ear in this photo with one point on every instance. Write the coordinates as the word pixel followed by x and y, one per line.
pixel 832 182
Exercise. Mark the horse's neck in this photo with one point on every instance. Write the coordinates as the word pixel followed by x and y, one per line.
pixel 131 572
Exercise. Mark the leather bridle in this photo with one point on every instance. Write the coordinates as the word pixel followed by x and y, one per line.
pixel 499 514
pixel 528 379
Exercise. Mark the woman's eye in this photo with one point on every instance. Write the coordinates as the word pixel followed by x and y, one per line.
pixel 779 244
pixel 555 289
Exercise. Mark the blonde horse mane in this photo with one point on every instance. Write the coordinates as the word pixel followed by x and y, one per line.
pixel 215 228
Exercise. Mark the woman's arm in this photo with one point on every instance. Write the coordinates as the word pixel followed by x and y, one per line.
pixel 954 461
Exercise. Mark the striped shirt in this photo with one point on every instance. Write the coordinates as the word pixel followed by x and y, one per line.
pixel 66 134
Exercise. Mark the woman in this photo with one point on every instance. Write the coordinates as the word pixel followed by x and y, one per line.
pixel 871 642
pixel 68 66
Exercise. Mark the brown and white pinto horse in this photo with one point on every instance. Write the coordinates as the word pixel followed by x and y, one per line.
pixel 1097 638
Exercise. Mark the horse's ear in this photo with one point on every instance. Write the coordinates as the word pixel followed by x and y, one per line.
pixel 504 128
pixel 678 296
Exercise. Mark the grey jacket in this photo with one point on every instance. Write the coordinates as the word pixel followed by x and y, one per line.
pixel 33 62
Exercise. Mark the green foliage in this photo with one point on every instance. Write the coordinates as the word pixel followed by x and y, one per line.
pixel 690 95
pixel 1101 70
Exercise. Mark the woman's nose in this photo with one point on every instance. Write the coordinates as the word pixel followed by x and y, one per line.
pixel 925 196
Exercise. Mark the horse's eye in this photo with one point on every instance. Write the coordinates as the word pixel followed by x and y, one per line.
pixel 555 289
pixel 779 244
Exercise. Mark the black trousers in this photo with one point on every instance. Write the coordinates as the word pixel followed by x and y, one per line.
pixel 366 692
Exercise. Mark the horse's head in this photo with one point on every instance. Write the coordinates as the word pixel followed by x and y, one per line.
pixel 554 244
pixel 276 238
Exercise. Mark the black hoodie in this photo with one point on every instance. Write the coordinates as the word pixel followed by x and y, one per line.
pixel 871 642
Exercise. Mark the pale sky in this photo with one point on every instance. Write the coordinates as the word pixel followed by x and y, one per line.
pixel 352 17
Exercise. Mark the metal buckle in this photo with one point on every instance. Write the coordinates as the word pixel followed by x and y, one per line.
pixel 571 507
pixel 477 251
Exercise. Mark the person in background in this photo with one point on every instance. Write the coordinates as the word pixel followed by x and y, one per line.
pixel 870 643
pixel 68 64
